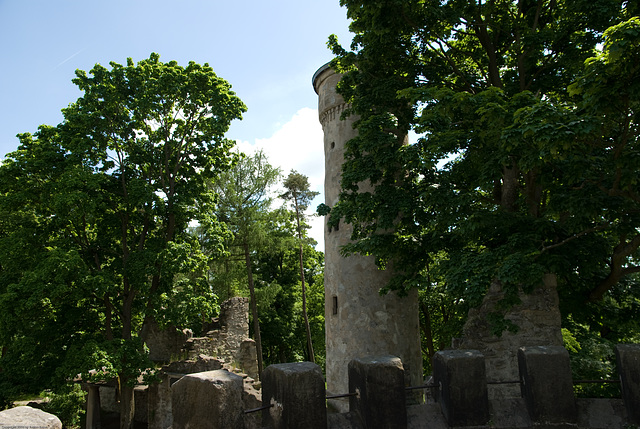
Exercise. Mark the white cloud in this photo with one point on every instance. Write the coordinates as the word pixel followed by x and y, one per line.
pixel 298 145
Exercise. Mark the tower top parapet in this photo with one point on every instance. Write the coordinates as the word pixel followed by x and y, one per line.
pixel 315 80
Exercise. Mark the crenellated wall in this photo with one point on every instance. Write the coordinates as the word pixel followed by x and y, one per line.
pixel 294 395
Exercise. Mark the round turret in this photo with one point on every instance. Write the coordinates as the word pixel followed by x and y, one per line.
pixel 359 321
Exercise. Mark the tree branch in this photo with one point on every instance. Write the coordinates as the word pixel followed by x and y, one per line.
pixel 618 260
pixel 573 237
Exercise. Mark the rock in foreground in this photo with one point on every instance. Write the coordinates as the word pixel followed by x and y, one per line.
pixel 29 417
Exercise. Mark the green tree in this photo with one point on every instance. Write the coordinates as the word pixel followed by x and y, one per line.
pixel 98 209
pixel 526 162
pixel 280 302
pixel 299 195
pixel 245 206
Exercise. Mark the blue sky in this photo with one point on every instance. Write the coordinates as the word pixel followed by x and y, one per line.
pixel 267 50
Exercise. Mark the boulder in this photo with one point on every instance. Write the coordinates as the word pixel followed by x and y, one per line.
pixel 29 417
pixel 211 399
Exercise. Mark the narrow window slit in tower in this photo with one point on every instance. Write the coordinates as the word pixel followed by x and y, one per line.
pixel 335 305
pixel 333 144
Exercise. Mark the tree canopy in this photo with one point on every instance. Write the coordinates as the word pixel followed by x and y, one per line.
pixel 95 214
pixel 299 195
pixel 526 159
pixel 263 261
pixel 245 206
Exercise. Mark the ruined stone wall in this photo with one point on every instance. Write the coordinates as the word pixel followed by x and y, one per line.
pixel 359 322
pixel 230 338
pixel 539 323
pixel 227 339
pixel 164 344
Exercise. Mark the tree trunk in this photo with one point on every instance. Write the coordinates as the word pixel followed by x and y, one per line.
pixel 426 328
pixel 533 192
pixel 254 308
pixel 304 309
pixel 304 289
pixel 127 405
pixel 509 187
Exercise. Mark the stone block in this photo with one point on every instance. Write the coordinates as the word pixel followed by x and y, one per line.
pixel 296 393
pixel 248 358
pixel 460 377
pixel 159 394
pixel 546 384
pixel 27 417
pixel 601 413
pixel 252 399
pixel 210 399
pixel 381 399
pixel 141 401
pixel 628 359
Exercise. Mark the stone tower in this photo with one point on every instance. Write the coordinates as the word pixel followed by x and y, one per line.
pixel 359 321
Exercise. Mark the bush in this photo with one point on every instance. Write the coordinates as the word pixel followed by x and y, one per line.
pixel 67 404
pixel 7 393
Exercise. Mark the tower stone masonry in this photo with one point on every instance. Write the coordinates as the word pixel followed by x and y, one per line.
pixel 359 322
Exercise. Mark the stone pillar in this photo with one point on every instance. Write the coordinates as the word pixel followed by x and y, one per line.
pixel 546 384
pixel 248 358
pixel 93 406
pixel 461 387
pixel 381 400
pixel 358 321
pixel 160 415
pixel 234 318
pixel 628 359
pixel 210 399
pixel 296 394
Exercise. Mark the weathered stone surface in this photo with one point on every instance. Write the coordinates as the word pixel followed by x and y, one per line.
pixel 546 384
pixel 225 339
pixel 108 400
pixel 141 400
pixel 538 320
pixel 426 416
pixel 164 344
pixel 599 413
pixel 27 417
pixel 251 399
pixel 92 416
pixel 160 408
pixel 200 363
pixel 230 339
pixel 509 413
pixel 460 377
pixel 248 358
pixel 234 320
pixel 346 421
pixel 381 399
pixel 628 358
pixel 210 399
pixel 296 392
pixel 358 320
